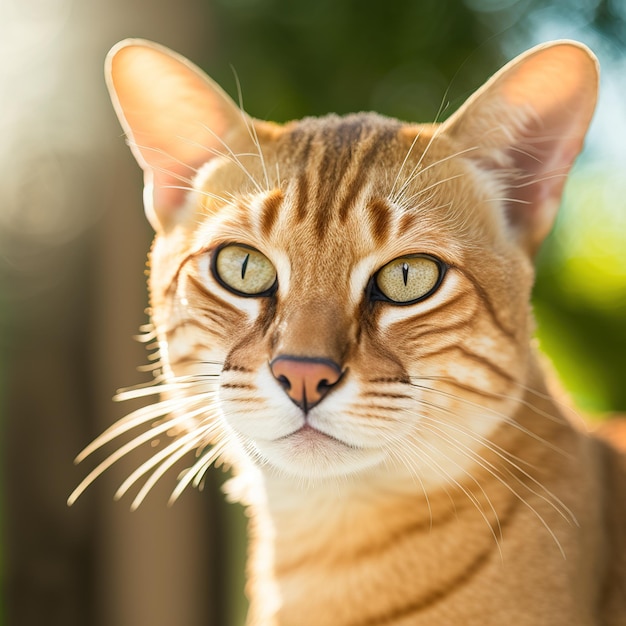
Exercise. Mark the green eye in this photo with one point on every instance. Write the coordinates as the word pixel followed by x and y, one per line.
pixel 408 279
pixel 243 270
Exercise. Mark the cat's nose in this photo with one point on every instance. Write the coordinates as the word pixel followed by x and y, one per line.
pixel 305 380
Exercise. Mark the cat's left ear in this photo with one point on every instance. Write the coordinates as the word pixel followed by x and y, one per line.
pixel 527 124
pixel 176 119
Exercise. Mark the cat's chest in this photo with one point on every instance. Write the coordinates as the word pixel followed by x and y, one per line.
pixel 403 559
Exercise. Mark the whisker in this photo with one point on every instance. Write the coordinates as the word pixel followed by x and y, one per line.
pixel 234 157
pixel 251 130
pixel 488 411
pixel 157 474
pixel 404 161
pixel 185 383
pixel 530 405
pixel 197 470
pixel 476 459
pixel 395 452
pixel 121 452
pixel 134 419
pixel 418 170
pixel 164 170
pixel 187 442
pixel 202 192
pixel 470 496
pixel 562 509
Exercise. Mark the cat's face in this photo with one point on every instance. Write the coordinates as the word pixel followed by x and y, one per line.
pixel 360 263
pixel 344 295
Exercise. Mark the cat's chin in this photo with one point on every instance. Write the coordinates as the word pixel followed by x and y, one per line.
pixel 309 453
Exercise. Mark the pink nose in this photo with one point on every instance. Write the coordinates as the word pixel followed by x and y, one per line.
pixel 305 380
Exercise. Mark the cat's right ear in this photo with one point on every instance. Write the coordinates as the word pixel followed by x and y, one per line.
pixel 527 124
pixel 175 118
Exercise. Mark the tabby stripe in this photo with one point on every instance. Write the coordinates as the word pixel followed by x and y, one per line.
pixel 460 385
pixel 407 221
pixel 270 209
pixel 437 596
pixel 375 407
pixel 377 394
pixel 192 321
pixel 433 598
pixel 482 294
pixel 236 368
pixel 214 322
pixel 490 365
pixel 453 302
pixel 407 325
pixel 236 386
pixel 487 363
pixel 411 528
pixel 331 173
pixel 373 416
pixel 302 184
pixel 302 193
pixel 207 294
pixel 380 220
pixel 358 182
pixel 439 330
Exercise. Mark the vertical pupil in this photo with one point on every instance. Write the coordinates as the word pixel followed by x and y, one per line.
pixel 244 266
pixel 405 273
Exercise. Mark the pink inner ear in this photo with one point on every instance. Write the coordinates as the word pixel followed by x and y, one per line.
pixel 175 117
pixel 164 196
pixel 557 86
pixel 543 163
pixel 528 123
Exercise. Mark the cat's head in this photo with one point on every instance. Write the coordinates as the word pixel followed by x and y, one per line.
pixel 346 293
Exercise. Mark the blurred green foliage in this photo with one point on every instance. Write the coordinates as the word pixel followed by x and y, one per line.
pixel 309 58
pixel 580 297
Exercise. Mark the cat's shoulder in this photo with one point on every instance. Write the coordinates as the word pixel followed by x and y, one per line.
pixel 612 437
pixel 613 431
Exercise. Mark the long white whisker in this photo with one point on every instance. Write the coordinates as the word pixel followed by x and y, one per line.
pixel 198 469
pixel 188 442
pixel 475 458
pixel 470 496
pixel 551 500
pixel 134 419
pixel 183 383
pixel 191 440
pixel 418 170
pixel 121 452
pixel 489 412
pixel 404 161
pixel 251 129
pixel 235 158
pixel 397 453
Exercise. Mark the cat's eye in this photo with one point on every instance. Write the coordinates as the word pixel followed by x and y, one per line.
pixel 243 270
pixel 408 279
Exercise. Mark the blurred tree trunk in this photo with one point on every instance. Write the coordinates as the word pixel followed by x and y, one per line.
pixel 75 293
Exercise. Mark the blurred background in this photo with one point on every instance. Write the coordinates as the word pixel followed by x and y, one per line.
pixel 73 242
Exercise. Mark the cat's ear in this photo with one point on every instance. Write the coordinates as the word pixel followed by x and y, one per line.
pixel 175 117
pixel 528 123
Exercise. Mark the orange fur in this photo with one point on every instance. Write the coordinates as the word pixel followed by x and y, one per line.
pixel 433 479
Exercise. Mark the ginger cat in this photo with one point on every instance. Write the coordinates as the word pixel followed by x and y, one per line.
pixel 342 311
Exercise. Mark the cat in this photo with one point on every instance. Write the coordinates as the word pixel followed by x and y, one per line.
pixel 341 306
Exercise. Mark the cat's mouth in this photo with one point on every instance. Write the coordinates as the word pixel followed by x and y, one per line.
pixel 308 452
pixel 309 434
